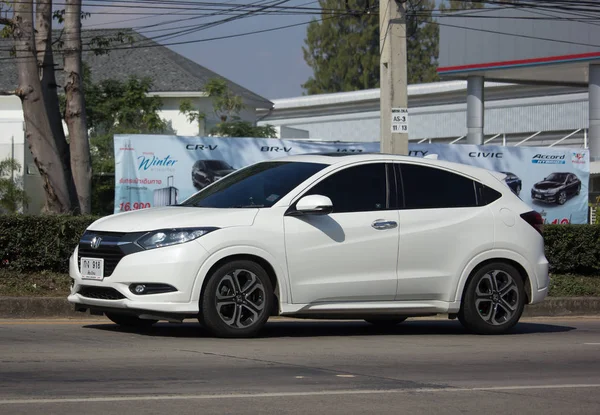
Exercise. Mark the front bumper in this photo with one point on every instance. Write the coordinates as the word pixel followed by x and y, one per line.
pixel 544 197
pixel 176 265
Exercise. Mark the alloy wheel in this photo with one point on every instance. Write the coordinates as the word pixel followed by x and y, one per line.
pixel 240 298
pixel 497 297
pixel 562 198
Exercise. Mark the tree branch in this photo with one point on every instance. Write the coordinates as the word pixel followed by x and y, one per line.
pixel 6 21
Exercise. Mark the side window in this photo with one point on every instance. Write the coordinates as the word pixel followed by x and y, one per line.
pixel 355 189
pixel 430 188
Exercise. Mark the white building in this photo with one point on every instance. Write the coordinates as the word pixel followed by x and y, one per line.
pixel 520 115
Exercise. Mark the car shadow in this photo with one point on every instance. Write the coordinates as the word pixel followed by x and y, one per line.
pixel 311 328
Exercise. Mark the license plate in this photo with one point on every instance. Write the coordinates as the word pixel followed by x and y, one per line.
pixel 92 268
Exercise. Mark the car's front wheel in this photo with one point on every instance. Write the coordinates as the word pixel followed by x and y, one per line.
pixel 494 299
pixel 237 299
pixel 562 198
pixel 129 321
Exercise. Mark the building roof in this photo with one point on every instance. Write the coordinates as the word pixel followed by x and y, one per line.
pixel 169 71
pixel 518 44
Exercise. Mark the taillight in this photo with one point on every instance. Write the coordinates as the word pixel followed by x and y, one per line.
pixel 534 219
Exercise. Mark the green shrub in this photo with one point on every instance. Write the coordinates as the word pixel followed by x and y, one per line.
pixel 45 243
pixel 39 243
pixel 573 249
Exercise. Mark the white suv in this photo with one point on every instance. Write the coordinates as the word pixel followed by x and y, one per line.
pixel 369 236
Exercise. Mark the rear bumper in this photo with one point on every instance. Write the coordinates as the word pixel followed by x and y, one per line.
pixel 541 285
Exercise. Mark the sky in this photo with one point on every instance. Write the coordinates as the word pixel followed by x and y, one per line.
pixel 270 64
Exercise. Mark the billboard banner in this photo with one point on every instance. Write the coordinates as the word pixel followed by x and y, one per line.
pixel 161 170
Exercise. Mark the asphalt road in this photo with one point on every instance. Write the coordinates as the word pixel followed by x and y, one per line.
pixel 91 367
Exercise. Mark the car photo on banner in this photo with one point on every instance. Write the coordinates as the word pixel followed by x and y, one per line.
pixel 513 181
pixel 556 188
pixel 205 172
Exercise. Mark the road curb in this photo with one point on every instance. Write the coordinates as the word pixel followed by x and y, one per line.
pixel 35 307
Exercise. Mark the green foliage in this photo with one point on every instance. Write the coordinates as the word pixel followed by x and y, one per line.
pixel 116 107
pixel 40 243
pixel 12 195
pixel 456 5
pixel 39 284
pixel 226 107
pixel 573 249
pixel 574 286
pixel 239 128
pixel 344 51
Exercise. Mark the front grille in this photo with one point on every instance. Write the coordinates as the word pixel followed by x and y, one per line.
pixel 102 293
pixel 109 249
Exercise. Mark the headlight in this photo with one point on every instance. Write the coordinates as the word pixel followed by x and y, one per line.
pixel 168 237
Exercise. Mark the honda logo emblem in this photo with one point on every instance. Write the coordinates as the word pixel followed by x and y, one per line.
pixel 95 242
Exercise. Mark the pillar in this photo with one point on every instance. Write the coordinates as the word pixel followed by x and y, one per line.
pixel 475 110
pixel 594 108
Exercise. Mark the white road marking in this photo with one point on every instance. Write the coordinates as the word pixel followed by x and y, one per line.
pixel 290 394
pixel 299 377
pixel 345 376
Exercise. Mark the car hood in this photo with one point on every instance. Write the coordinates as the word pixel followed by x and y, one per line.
pixel 547 185
pixel 173 217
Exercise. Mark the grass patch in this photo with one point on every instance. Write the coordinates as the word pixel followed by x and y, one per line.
pixel 39 284
pixel 574 286
pixel 52 284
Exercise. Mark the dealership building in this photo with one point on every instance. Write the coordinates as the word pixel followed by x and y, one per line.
pixel 510 77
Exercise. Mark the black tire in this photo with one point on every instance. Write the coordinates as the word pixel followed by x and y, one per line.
pixel 130 321
pixel 499 322
pixel 251 319
pixel 385 321
pixel 578 190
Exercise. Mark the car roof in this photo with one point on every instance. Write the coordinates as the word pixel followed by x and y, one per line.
pixel 343 158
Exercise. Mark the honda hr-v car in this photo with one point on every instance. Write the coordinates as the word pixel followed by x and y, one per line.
pixel 556 188
pixel 366 236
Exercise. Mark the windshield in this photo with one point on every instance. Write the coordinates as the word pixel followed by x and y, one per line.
pixel 557 177
pixel 217 165
pixel 260 185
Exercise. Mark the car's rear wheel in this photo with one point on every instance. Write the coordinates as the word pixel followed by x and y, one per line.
pixel 493 300
pixel 130 321
pixel 385 321
pixel 562 198
pixel 237 300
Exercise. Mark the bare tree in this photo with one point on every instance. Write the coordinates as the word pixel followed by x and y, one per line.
pixel 45 58
pixel 38 128
pixel 75 106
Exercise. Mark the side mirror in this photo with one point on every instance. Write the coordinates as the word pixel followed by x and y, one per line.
pixel 314 205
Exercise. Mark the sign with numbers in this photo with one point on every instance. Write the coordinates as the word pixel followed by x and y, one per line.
pixel 400 120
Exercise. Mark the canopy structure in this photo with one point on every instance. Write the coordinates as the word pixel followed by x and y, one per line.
pixel 521 45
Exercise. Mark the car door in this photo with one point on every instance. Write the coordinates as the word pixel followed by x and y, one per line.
pixel 351 253
pixel 442 227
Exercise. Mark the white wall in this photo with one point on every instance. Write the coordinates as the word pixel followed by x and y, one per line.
pixel 12 144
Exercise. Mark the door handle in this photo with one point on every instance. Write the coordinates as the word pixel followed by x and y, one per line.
pixel 381 224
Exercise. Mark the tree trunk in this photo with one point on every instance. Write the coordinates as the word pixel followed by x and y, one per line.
pixel 75 106
pixel 45 58
pixel 38 131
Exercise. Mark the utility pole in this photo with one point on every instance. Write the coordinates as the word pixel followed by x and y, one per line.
pixel 393 77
